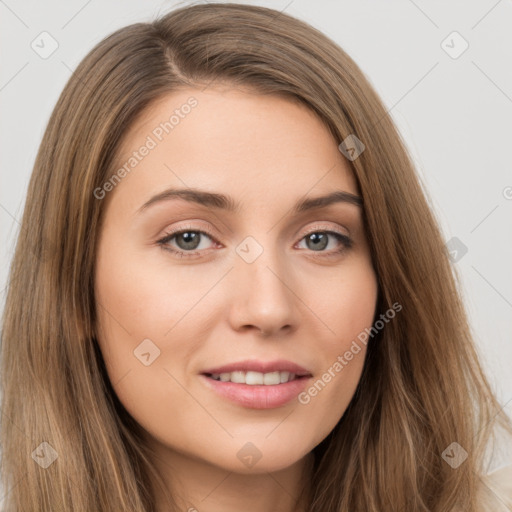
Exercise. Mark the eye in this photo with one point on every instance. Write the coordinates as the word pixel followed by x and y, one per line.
pixel 318 240
pixel 188 240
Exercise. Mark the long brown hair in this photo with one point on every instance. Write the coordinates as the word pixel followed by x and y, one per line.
pixel 422 386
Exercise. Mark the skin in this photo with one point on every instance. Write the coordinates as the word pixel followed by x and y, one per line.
pixel 267 152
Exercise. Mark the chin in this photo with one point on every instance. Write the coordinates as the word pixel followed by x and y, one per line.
pixel 252 459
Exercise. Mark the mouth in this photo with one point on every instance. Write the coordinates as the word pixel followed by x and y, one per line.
pixel 255 390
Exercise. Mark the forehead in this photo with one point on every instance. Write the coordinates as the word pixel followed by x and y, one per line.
pixel 245 144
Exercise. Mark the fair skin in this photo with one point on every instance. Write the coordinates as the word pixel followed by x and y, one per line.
pixel 210 309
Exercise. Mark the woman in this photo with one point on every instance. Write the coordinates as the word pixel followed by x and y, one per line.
pixel 235 295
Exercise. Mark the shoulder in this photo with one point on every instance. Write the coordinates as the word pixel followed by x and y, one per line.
pixel 495 491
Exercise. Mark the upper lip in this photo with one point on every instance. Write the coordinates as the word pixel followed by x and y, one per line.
pixel 261 367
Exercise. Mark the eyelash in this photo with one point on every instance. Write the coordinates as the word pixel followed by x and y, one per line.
pixel 346 242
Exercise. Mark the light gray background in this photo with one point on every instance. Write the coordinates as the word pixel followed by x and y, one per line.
pixel 454 113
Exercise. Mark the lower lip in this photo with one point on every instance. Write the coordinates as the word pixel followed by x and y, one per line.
pixel 258 396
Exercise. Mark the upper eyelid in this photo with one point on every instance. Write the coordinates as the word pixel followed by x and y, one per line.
pixel 202 230
pixel 211 234
pixel 318 227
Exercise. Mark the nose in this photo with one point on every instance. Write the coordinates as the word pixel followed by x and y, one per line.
pixel 262 296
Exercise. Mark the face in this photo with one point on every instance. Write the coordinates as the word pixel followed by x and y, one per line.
pixel 189 283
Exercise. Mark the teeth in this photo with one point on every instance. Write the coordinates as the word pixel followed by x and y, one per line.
pixel 255 378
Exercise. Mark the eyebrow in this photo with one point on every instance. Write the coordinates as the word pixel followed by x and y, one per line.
pixel 223 202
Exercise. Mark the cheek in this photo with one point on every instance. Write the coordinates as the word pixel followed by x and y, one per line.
pixel 139 312
pixel 141 298
pixel 347 308
pixel 131 307
pixel 145 307
pixel 345 303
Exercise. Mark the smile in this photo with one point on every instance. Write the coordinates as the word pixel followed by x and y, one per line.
pixel 255 378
